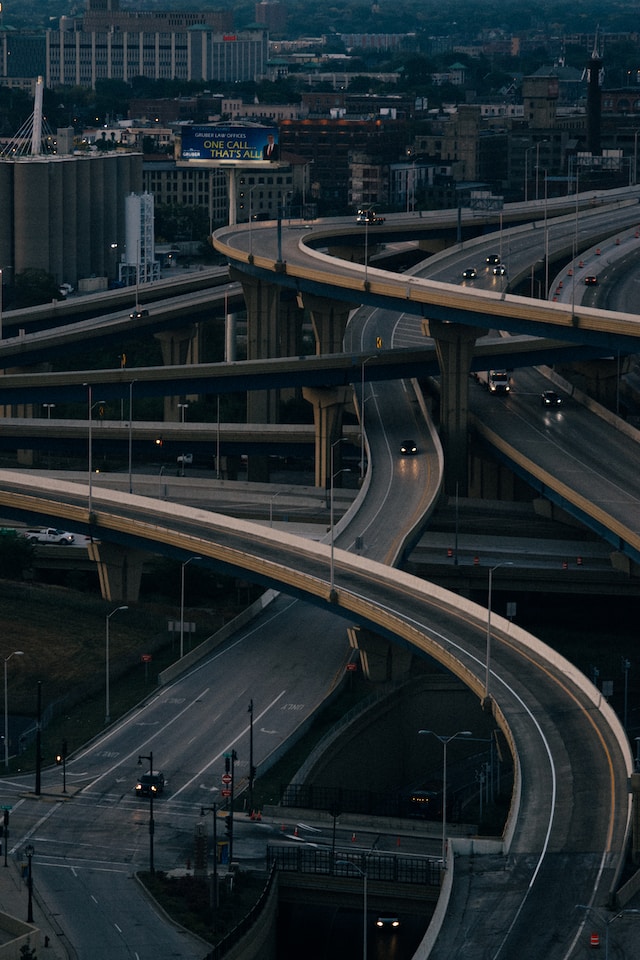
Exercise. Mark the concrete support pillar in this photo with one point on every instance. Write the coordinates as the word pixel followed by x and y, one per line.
pixel 329 320
pixel 635 818
pixel 119 570
pixel 274 326
pixel 380 660
pixel 264 341
pixel 328 406
pixel 454 346
pixel 179 347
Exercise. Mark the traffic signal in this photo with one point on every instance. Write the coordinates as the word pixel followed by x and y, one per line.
pixel 6 818
pixel 227 763
pixel 58 758
pixel 228 825
pixel 101 411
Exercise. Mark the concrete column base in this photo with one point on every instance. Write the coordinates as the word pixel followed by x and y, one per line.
pixel 328 405
pixel 455 345
pixel 179 347
pixel 119 570
pixel 380 660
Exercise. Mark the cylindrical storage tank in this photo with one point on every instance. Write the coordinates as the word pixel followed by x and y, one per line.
pixel 58 238
pixel 110 223
pixel 132 230
pixel 83 220
pixel 70 213
pixel 31 212
pixel 6 219
pixel 98 199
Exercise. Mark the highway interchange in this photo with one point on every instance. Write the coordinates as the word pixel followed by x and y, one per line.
pixel 556 795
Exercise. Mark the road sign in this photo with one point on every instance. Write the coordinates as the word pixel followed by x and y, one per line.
pixel 226 778
pixel 225 793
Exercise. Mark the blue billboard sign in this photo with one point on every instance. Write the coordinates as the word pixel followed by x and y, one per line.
pixel 229 142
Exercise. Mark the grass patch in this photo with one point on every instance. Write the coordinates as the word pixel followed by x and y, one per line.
pixel 188 901
pixel 62 636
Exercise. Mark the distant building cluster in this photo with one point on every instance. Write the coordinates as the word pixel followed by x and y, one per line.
pixel 555 131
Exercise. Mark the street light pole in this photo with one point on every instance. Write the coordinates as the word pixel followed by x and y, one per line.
pixel 607 923
pixel 131 383
pixel 107 708
pixel 364 874
pixel 184 564
pixel 445 741
pixel 29 852
pixel 362 405
pixel 91 405
pixel 151 820
pixel 16 653
pixel 213 897
pixel 487 675
pixel 332 478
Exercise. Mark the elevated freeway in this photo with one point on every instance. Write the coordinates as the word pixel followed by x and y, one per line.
pixel 554 831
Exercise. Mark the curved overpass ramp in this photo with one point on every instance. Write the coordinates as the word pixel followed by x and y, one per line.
pixel 560 848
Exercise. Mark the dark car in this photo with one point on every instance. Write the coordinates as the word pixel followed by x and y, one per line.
pixel 470 273
pixel 591 281
pixel 150 784
pixel 137 314
pixel 499 270
pixel 407 447
pixel 492 258
pixel 549 398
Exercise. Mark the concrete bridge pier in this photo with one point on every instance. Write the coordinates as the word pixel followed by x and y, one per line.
pixel 379 659
pixel 328 406
pixel 455 347
pixel 119 570
pixel 329 319
pixel 179 347
pixel 274 329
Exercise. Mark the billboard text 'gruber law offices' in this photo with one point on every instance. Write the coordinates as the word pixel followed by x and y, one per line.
pixel 229 142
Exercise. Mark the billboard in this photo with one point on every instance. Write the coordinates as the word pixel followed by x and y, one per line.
pixel 229 142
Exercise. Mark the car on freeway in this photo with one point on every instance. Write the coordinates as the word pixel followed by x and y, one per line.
pixel 549 398
pixel 49 535
pixel 390 923
pixel 591 281
pixel 499 270
pixel 492 258
pixel 470 273
pixel 150 784
pixel 408 447
pixel 137 314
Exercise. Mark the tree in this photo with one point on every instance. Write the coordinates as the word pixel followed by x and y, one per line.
pixel 33 287
pixel 16 555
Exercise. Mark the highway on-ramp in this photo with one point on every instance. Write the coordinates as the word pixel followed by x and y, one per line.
pixel 557 832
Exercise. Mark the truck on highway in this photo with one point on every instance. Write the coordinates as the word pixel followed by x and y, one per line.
pixel 49 535
pixel 496 381
pixel 368 215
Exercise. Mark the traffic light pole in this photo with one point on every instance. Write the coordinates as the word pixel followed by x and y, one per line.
pixel 6 834
pixel 229 762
